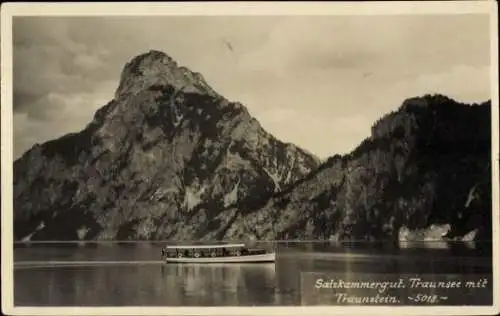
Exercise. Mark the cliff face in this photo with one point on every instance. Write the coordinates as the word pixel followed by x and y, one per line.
pixel 169 158
pixel 161 160
pixel 426 165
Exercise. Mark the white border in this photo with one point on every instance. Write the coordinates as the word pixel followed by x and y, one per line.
pixel 8 10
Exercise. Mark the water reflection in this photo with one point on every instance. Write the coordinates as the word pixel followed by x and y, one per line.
pixel 215 284
pixel 156 285
pixel 419 244
pixel 131 274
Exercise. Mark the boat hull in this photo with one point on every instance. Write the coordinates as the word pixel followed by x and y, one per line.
pixel 268 257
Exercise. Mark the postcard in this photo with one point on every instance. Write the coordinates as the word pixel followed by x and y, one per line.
pixel 250 158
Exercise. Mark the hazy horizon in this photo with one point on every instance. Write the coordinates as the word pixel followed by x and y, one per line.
pixel 317 82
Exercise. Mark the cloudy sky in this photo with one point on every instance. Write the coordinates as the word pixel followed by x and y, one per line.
pixel 319 82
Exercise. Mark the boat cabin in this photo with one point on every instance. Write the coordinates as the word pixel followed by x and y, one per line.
pixel 213 251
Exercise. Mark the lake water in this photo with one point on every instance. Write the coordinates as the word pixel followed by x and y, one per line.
pixel 131 274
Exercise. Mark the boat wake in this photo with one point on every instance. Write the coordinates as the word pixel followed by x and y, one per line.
pixel 59 264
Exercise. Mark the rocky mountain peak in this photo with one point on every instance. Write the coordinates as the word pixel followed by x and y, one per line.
pixel 155 68
pixel 410 180
pixel 163 158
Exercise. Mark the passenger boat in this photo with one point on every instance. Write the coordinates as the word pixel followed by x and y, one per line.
pixel 228 253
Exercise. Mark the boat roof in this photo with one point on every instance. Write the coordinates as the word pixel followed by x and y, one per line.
pixel 206 246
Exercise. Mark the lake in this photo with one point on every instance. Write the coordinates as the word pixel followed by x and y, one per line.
pixel 131 274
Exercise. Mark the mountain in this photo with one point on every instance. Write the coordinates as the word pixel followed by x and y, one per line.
pixel 425 169
pixel 170 158
pixel 161 160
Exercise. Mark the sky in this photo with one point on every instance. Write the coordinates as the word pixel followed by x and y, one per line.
pixel 319 82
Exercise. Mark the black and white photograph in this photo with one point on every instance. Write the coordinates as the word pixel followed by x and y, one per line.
pixel 250 158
